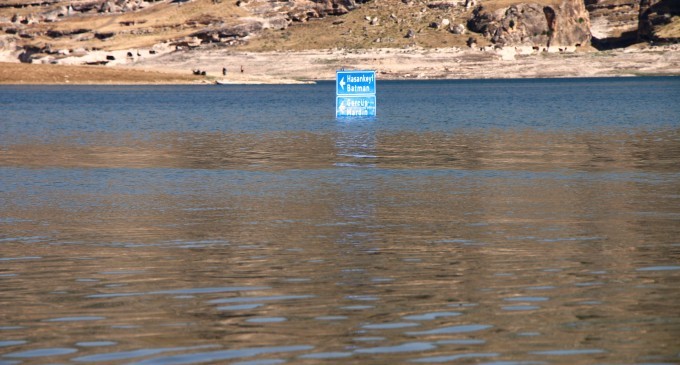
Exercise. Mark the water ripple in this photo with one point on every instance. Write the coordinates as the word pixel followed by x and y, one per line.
pixel 267 319
pixel 124 355
pixel 512 308
pixel 75 319
pixel 184 291
pixel 11 343
pixel 450 358
pixel 660 268
pixel 259 299
pixel 405 347
pixel 239 307
pixel 56 351
pixel 462 341
pixel 526 299
pixel 514 363
pixel 431 316
pixel 201 357
pixel 261 362
pixel 96 343
pixel 451 330
pixel 326 355
pixel 569 352
pixel 385 326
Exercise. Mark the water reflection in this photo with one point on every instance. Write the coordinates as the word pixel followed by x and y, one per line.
pixel 508 150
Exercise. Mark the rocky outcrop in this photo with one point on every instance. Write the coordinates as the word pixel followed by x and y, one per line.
pixel 300 10
pixel 337 7
pixel 658 21
pixel 534 25
pixel 443 5
pixel 234 34
pixel 228 34
pixel 60 33
pixel 8 42
pixel 276 15
pixel 28 52
pixel 122 6
pixel 54 14
pixel 613 23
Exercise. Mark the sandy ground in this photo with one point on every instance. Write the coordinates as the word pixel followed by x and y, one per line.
pixel 295 67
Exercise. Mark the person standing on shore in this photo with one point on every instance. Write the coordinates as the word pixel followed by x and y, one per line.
pixel 224 71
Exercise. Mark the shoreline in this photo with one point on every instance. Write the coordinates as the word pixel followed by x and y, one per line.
pixel 314 82
pixel 304 67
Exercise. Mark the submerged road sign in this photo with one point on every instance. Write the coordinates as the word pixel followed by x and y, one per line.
pixel 355 106
pixel 355 93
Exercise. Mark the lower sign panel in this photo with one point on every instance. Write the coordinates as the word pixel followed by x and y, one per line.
pixel 355 106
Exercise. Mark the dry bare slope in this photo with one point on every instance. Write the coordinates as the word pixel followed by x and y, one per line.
pixel 178 35
pixel 265 25
pixel 157 22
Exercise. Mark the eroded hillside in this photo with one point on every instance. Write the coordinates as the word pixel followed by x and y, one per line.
pixel 49 30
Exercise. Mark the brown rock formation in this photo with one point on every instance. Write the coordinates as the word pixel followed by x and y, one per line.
pixel 231 34
pixel 534 25
pixel 299 10
pixel 658 21
pixel 122 6
pixel 613 23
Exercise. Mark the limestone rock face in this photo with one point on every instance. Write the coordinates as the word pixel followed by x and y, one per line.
pixel 534 25
pixel 234 34
pixel 55 14
pixel 613 22
pixel 228 34
pixel 658 21
pixel 121 6
pixel 8 42
pixel 270 14
pixel 299 10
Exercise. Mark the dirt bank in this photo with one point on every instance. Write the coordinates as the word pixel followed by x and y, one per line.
pixel 390 63
pixel 418 63
pixel 22 73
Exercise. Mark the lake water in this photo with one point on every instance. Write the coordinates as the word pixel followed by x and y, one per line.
pixel 500 222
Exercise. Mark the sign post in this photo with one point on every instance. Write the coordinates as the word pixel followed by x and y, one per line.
pixel 355 94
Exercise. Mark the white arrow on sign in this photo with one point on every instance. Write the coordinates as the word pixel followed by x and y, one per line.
pixel 342 83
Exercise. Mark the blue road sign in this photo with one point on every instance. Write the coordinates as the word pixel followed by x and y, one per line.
pixel 355 82
pixel 355 94
pixel 355 106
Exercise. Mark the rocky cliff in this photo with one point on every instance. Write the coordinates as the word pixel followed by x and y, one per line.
pixel 300 10
pixel 606 24
pixel 613 23
pixel 536 25
pixel 659 21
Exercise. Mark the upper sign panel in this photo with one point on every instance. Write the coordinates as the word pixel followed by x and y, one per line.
pixel 355 83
